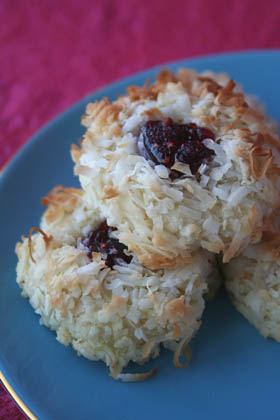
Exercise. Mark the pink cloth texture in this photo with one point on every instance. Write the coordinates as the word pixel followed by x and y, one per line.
pixel 54 52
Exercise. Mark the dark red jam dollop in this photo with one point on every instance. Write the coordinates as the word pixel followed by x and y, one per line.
pixel 101 240
pixel 166 142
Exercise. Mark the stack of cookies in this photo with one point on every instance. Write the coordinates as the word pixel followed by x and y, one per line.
pixel 177 177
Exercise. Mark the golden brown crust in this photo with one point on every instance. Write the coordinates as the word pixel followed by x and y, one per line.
pixel 76 153
pixel 226 97
pixel 60 201
pixel 159 240
pixel 105 113
pixel 156 261
pixel 117 130
pixel 110 192
pixel 176 331
pixel 135 93
pixel 182 349
pixel 271 238
pixel 258 156
pixel 270 241
pixel 115 305
pixel 166 76
pixel 250 226
pixel 46 238
pixel 206 85
pixel 95 108
pixel 177 309
pixel 260 161
pixel 147 349
pixel 153 113
pixel 186 77
pixel 269 220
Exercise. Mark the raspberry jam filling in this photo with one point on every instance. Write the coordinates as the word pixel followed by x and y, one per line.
pixel 101 240
pixel 166 142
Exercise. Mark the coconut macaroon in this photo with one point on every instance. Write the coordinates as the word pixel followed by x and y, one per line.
pixel 253 282
pixel 184 163
pixel 106 304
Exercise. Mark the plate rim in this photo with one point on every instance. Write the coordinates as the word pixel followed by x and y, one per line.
pixel 16 399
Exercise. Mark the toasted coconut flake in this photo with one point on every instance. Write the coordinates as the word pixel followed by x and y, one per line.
pixel 59 201
pixel 75 153
pixel 46 238
pixel 183 168
pixel 227 97
pixel 96 107
pixel 176 331
pixel 166 76
pixel 147 348
pixel 182 348
pixel 135 377
pixel 260 161
pixel 116 315
pixel 110 192
pixel 61 195
pixel 153 113
pixel 158 239
pixel 177 308
pixel 244 168
pixel 115 305
pixel 156 261
pixel 186 77
pixel 209 84
pixel 136 92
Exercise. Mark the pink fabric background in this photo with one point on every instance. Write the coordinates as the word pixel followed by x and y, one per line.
pixel 53 52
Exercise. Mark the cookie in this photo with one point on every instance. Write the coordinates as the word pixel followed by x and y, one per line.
pixel 186 162
pixel 253 282
pixel 96 296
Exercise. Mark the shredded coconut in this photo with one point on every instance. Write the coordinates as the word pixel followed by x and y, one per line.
pixel 242 174
pixel 117 315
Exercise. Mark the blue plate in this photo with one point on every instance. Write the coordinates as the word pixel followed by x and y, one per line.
pixel 234 372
